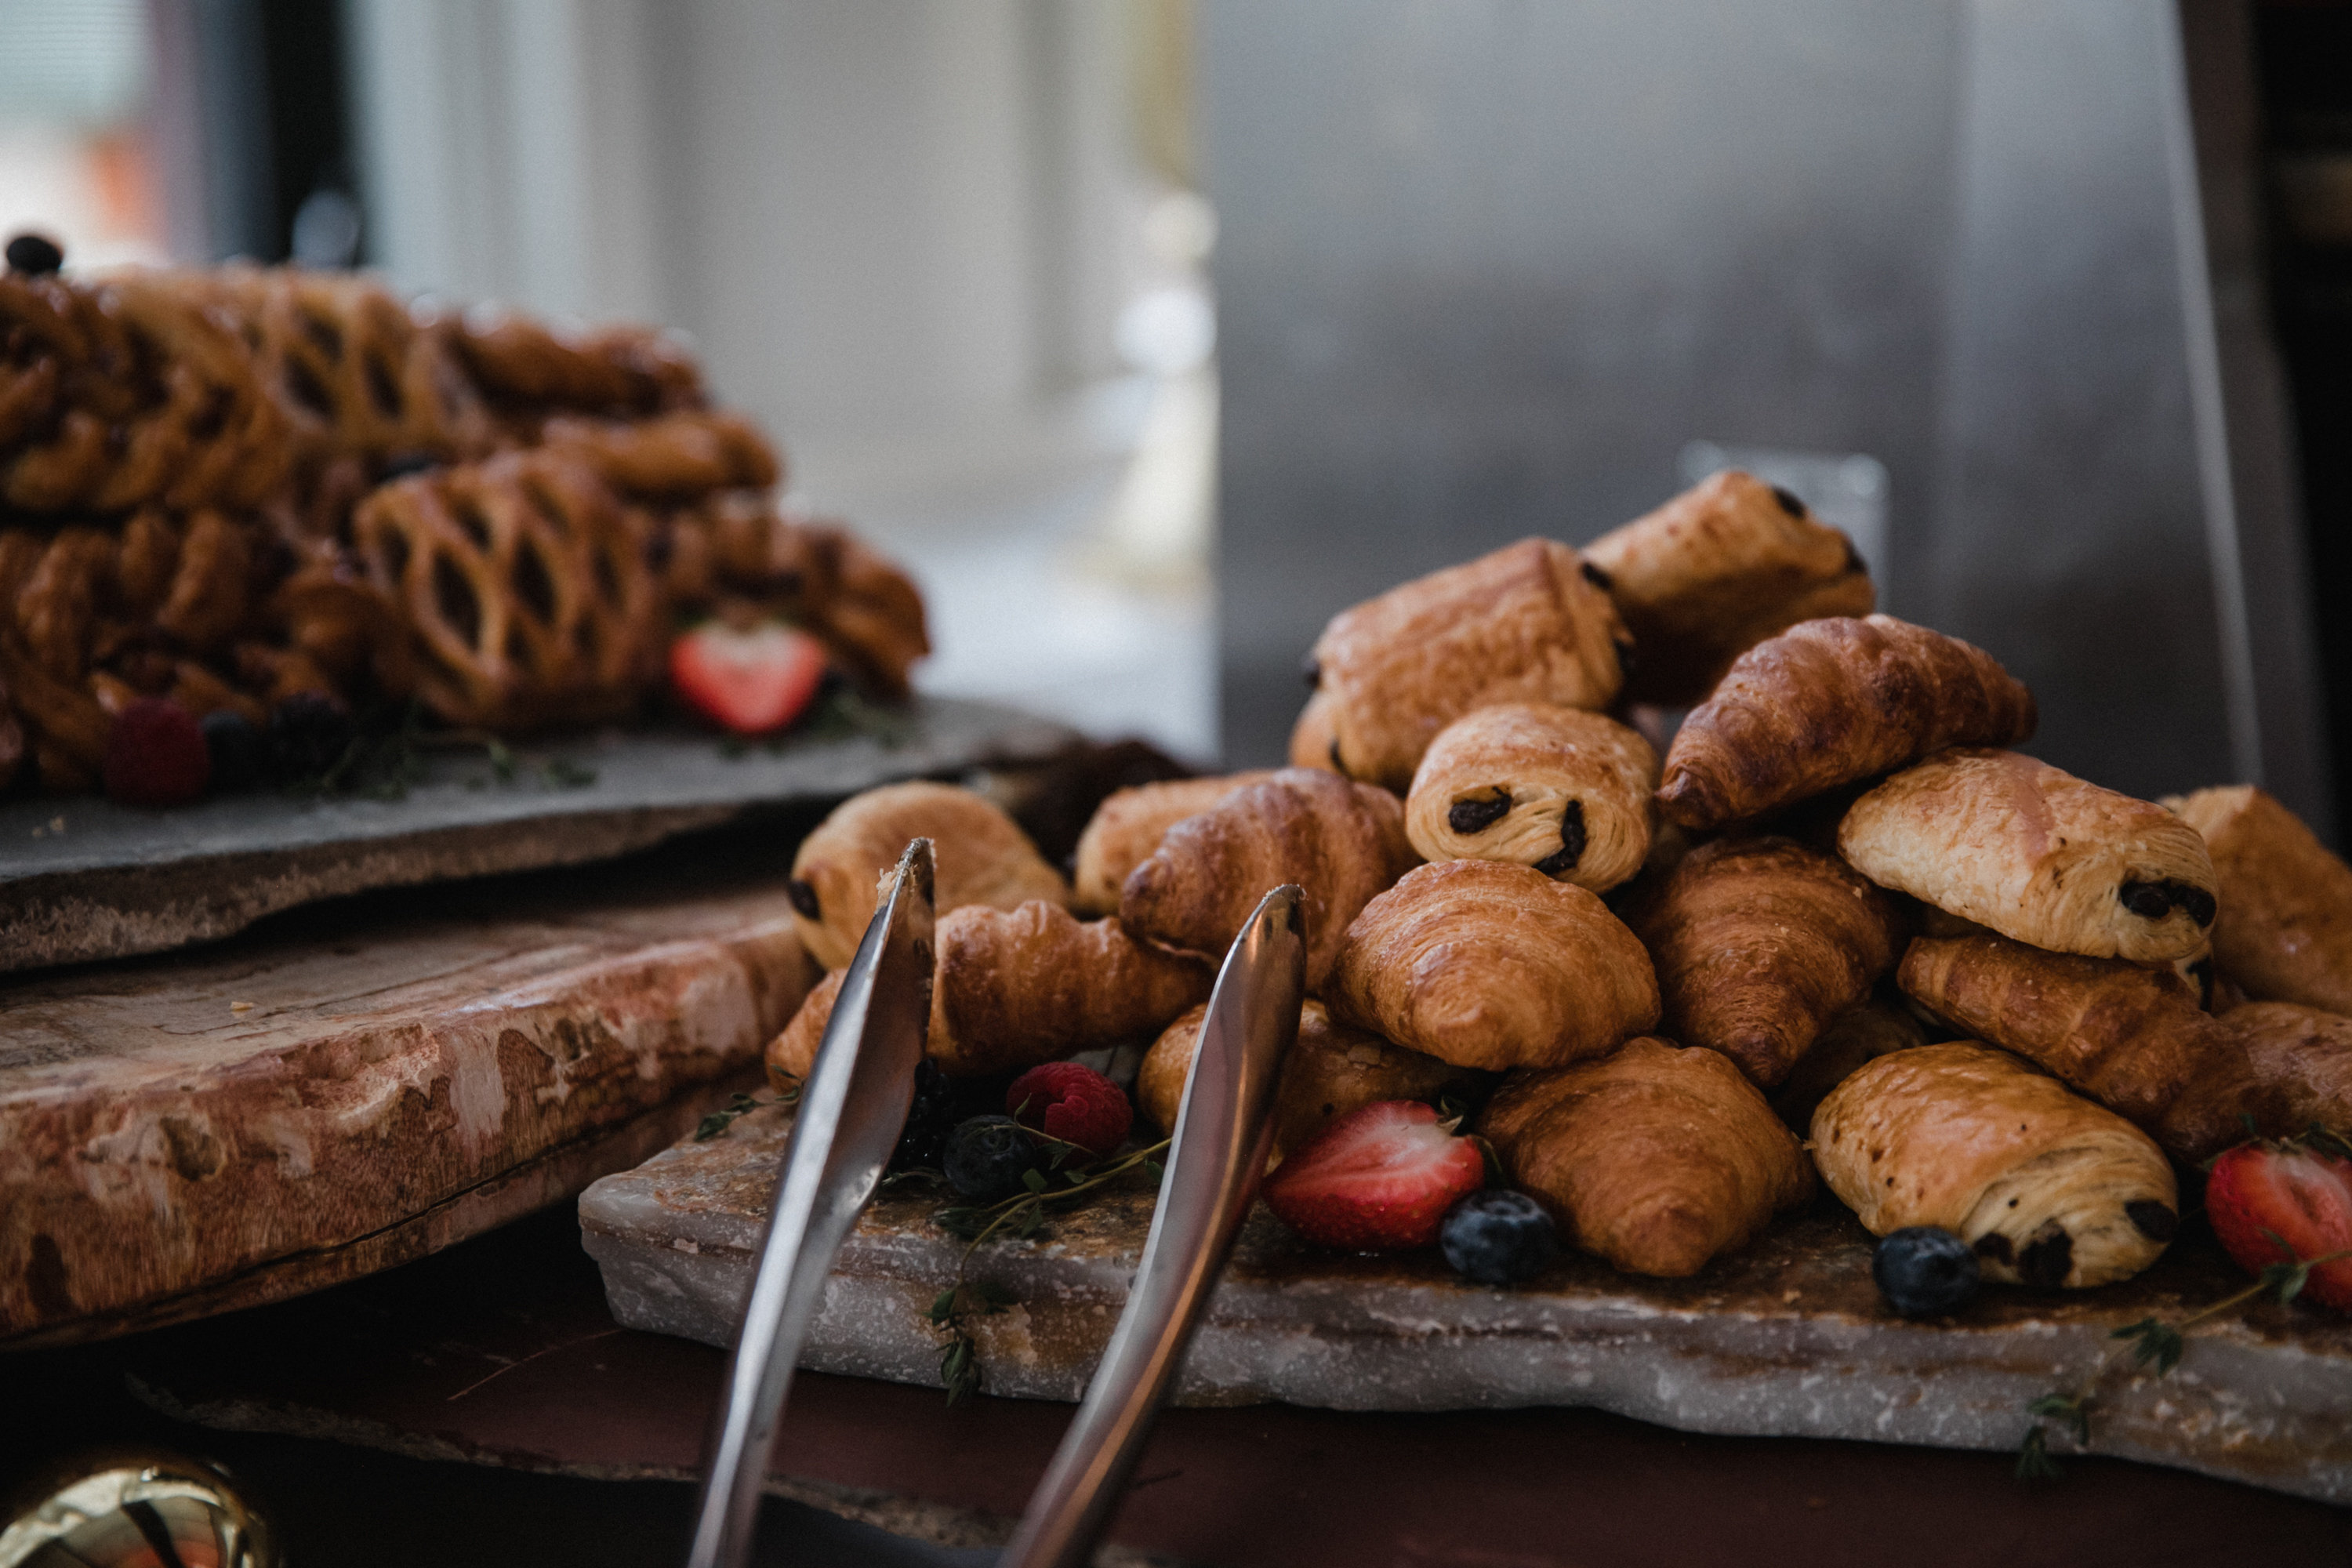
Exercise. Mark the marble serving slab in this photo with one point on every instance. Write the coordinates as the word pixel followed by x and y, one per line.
pixel 85 879
pixel 368 1083
pixel 1785 1339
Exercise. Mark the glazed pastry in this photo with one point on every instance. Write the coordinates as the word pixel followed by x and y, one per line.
pixel 982 858
pixel 1341 842
pixel 1759 943
pixel 2300 1061
pixel 2132 1038
pixel 1487 964
pixel 1127 826
pixel 1655 1158
pixel 1016 987
pixel 2285 930
pixel 2038 855
pixel 1333 1069
pixel 1012 988
pixel 1715 571
pixel 1314 743
pixel 1857 1035
pixel 1828 702
pixel 1564 791
pixel 2049 1189
pixel 1526 624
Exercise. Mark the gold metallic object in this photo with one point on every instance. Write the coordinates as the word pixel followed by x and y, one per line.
pixel 126 1508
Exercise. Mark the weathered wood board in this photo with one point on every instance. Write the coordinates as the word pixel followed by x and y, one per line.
pixel 1788 1338
pixel 86 879
pixel 186 1134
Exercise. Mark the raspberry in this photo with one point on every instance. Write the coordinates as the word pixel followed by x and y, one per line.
pixel 155 754
pixel 1075 1104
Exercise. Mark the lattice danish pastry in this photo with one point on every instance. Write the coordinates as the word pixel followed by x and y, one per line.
pixel 531 368
pixel 683 455
pixel 525 585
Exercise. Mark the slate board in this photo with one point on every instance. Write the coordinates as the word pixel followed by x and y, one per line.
pixel 362 1085
pixel 1785 1339
pixel 85 879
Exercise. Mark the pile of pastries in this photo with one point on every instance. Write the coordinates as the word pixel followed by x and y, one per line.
pixel 229 486
pixel 1840 933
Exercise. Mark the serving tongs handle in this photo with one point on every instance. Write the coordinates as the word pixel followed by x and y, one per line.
pixel 1217 1153
pixel 853 1107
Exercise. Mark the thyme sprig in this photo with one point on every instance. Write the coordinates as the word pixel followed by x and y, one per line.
pixel 716 1124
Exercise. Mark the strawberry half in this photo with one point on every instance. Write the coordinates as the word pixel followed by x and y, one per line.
pixel 751 680
pixel 1377 1180
pixel 2268 1199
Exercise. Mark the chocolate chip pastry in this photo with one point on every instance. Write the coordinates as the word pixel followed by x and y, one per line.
pixel 1714 572
pixel 1564 791
pixel 1334 1068
pixel 1526 624
pixel 1129 826
pixel 1832 702
pixel 1653 1158
pixel 2036 854
pixel 1488 965
pixel 1759 943
pixel 1314 740
pixel 982 858
pixel 1341 842
pixel 2283 931
pixel 2049 1189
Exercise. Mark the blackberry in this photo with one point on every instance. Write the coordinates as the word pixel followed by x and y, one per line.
pixel 309 732
pixel 940 1102
pixel 238 747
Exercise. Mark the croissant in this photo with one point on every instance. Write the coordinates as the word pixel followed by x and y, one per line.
pixel 1831 701
pixel 1715 571
pixel 2131 1038
pixel 1524 624
pixel 1333 1069
pixel 1012 988
pixel 1341 842
pixel 1564 791
pixel 1485 964
pixel 1855 1036
pixel 1127 826
pixel 1314 743
pixel 2299 1062
pixel 2285 930
pixel 1759 943
pixel 2037 854
pixel 982 858
pixel 2049 1189
pixel 1655 1158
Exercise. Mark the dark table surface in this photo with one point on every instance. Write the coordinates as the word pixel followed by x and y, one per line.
pixel 481 1407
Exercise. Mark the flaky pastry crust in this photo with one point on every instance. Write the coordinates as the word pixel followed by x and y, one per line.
pixel 2285 930
pixel 1536 784
pixel 1127 826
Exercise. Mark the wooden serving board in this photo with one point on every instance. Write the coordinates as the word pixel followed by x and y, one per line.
pixel 183 1135
pixel 85 879
pixel 1787 1338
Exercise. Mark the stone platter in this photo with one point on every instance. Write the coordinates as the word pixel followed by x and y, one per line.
pixel 1786 1339
pixel 85 879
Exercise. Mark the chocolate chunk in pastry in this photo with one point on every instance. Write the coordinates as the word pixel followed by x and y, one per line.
pixel 1127 826
pixel 2285 930
pixel 1655 1158
pixel 2049 1189
pixel 1341 842
pixel 2036 854
pixel 1487 964
pixel 1759 943
pixel 1828 702
pixel 1523 624
pixel 1333 1069
pixel 982 858
pixel 2132 1038
pixel 1012 988
pixel 1855 1036
pixel 1535 784
pixel 1716 570
pixel 1314 743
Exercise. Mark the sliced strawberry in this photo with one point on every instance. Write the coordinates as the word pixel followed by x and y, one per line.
pixel 2286 1203
pixel 1377 1180
pixel 752 681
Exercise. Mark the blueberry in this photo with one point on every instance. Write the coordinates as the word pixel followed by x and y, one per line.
pixel 987 1157
pixel 1923 1271
pixel 1497 1237
pixel 307 734
pixel 236 748
pixel 35 253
